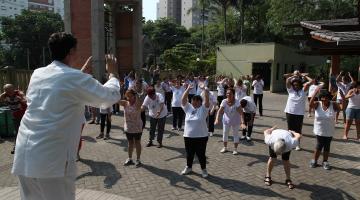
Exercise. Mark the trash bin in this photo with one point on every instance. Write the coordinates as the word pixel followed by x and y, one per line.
pixel 6 123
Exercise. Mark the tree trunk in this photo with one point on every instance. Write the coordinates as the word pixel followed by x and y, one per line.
pixel 224 10
pixel 242 17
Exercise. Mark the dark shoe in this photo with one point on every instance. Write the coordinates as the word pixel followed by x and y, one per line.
pixel 149 144
pixel 101 135
pixel 107 137
pixel 13 151
pixel 160 145
pixel 128 162
pixel 92 122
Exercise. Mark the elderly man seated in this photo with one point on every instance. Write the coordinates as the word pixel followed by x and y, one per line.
pixel 280 142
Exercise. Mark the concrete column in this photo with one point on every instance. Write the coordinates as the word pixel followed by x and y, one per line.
pixel 335 65
pixel 113 29
pixel 67 16
pixel 97 38
pixel 137 36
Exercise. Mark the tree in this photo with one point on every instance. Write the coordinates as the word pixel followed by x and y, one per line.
pixel 164 34
pixel 29 33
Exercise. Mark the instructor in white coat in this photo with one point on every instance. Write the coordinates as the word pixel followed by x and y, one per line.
pixel 49 133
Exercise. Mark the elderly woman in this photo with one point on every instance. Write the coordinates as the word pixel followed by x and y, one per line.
pixel 295 105
pixel 157 112
pixel 132 125
pixel 195 133
pixel 231 111
pixel 353 110
pixel 249 111
pixel 280 142
pixel 324 125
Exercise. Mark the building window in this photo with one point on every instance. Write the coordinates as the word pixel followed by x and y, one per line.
pixel 277 71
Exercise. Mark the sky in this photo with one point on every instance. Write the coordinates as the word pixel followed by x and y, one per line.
pixel 149 9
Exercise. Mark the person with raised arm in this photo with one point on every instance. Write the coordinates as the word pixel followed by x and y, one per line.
pixel 195 132
pixel 48 138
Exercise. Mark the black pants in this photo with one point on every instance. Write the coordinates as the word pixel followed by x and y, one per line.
pixel 196 146
pixel 294 122
pixel 104 117
pixel 323 143
pixel 219 100
pixel 143 119
pixel 116 108
pixel 249 122
pixel 168 97
pixel 178 116
pixel 158 123
pixel 211 121
pixel 190 96
pixel 260 98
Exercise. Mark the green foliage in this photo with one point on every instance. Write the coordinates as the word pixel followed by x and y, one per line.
pixel 28 32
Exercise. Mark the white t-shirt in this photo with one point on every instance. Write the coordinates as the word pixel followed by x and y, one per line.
pixel 159 89
pixel 258 86
pixel 220 89
pixel 199 90
pixel 176 96
pixel 296 102
pixel 193 90
pixel 231 115
pixel 250 106
pixel 344 88
pixel 240 92
pixel 104 110
pixel 324 121
pixel 354 102
pixel 154 105
pixel 312 89
pixel 166 86
pixel 277 134
pixel 195 121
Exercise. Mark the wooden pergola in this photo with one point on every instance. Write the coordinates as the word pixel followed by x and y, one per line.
pixel 333 38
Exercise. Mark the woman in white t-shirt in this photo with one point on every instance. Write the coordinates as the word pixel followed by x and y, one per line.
pixel 315 83
pixel 353 110
pixel 195 132
pixel 231 111
pixel 295 105
pixel 324 125
pixel 220 87
pixel 178 113
pixel 344 85
pixel 240 90
pixel 258 85
pixel 154 102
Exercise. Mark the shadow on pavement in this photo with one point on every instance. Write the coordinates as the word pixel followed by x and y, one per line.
pixel 88 139
pixel 322 192
pixel 338 156
pixel 244 188
pixel 99 168
pixel 355 172
pixel 175 178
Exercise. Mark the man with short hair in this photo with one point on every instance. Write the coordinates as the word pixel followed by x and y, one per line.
pixel 280 142
pixel 48 139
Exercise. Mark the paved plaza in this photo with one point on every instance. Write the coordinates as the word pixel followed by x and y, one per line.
pixel 101 174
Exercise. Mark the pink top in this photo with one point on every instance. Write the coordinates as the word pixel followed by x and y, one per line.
pixel 132 122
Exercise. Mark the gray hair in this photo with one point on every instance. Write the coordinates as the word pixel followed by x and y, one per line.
pixel 279 146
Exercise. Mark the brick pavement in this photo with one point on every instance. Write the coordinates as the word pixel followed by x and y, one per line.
pixel 231 177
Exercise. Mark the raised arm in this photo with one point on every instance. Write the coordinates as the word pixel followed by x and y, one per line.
pixel 288 82
pixel 353 81
pixel 184 98
pixel 207 100
pixel 338 78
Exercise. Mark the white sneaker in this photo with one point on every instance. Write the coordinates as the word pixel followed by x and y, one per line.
pixel 223 150
pixel 211 134
pixel 187 170
pixel 248 138
pixel 326 165
pixel 242 138
pixel 235 152
pixel 297 148
pixel 204 173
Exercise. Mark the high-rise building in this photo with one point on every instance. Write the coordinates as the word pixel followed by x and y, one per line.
pixel 56 6
pixel 12 7
pixel 169 9
pixel 191 14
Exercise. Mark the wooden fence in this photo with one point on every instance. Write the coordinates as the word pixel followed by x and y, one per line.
pixel 18 77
